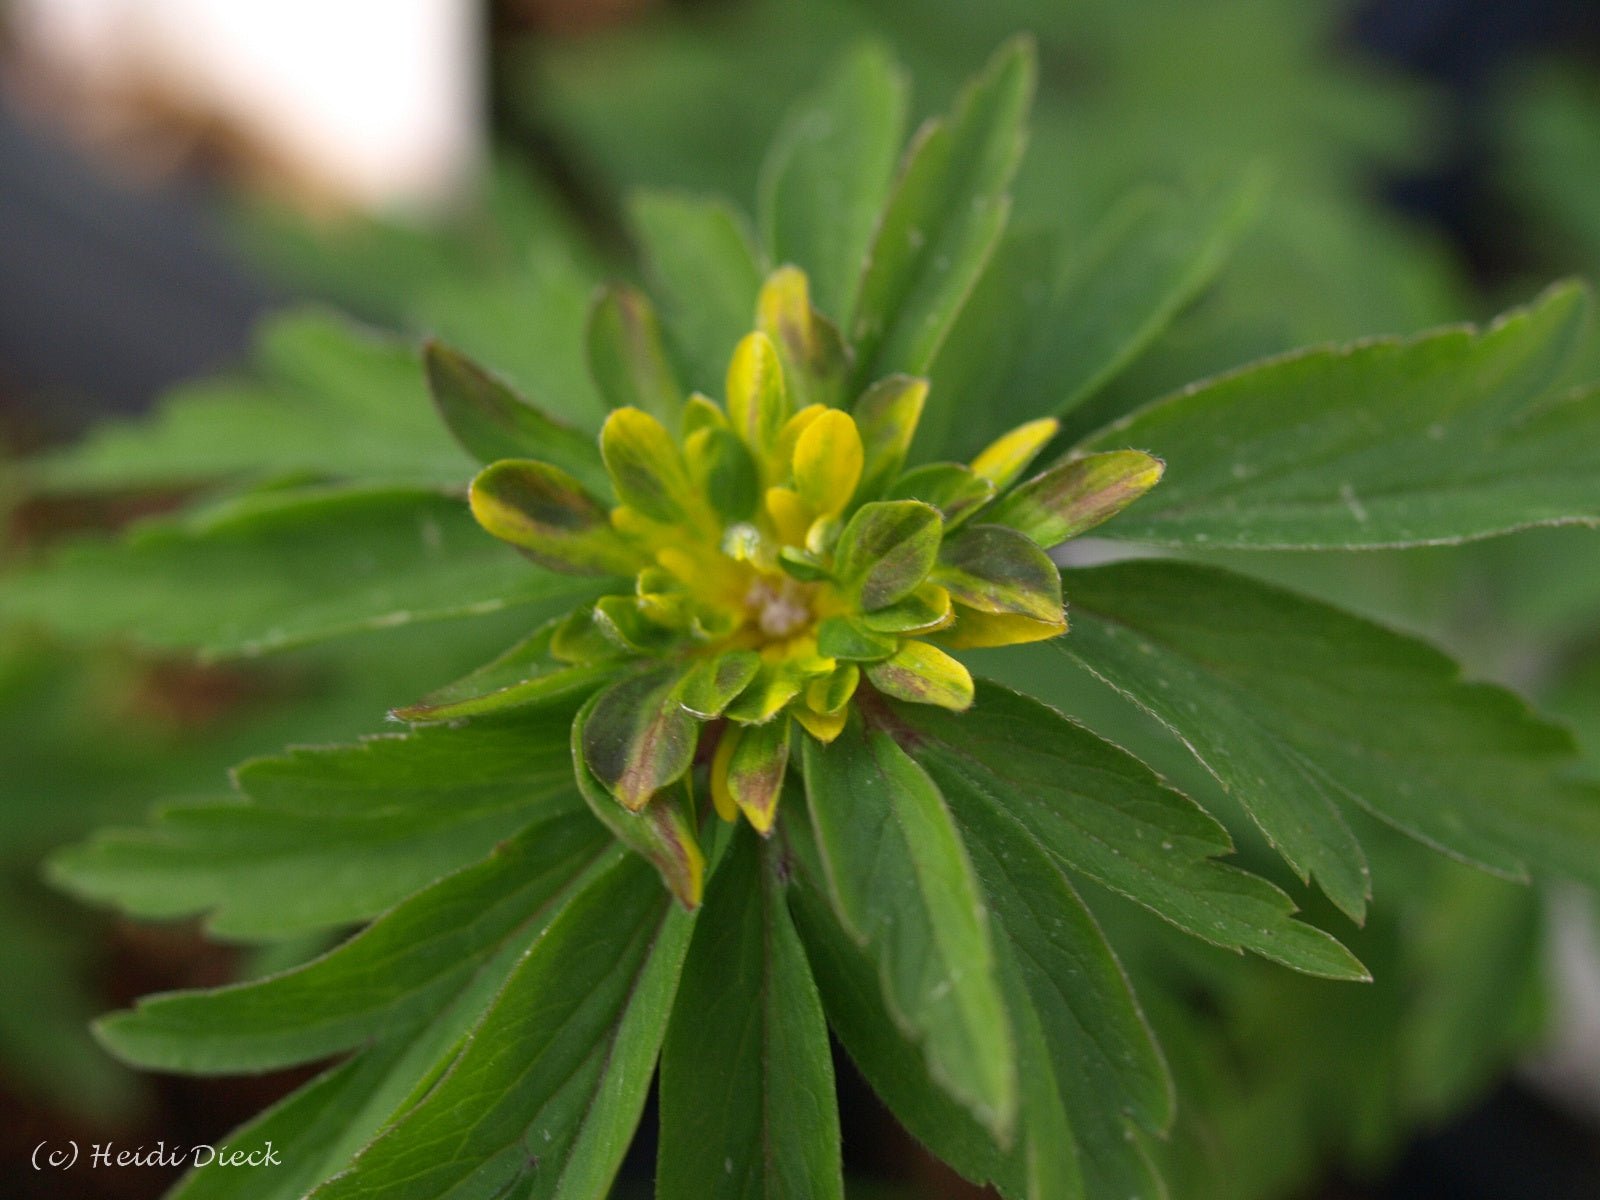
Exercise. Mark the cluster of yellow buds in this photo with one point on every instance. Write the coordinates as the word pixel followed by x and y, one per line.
pixel 781 558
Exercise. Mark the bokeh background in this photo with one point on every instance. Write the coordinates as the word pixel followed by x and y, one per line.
pixel 173 171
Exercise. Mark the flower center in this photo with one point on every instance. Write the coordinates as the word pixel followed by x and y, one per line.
pixel 780 606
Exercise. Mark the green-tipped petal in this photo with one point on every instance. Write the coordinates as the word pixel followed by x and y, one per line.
pixel 846 638
pixel 626 356
pixel 925 609
pixel 662 833
pixel 887 416
pixel 923 674
pixel 646 467
pixel 998 570
pixel 756 768
pixel 720 463
pixel 709 689
pixel 815 360
pixel 1074 496
pixel 637 738
pixel 545 512
pixel 758 400
pixel 953 488
pixel 887 550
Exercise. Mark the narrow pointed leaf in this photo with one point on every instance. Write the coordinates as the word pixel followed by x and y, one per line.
pixel 329 836
pixel 583 1011
pixel 887 550
pixel 403 967
pixel 561 685
pixel 942 220
pixel 703 272
pixel 637 738
pixel 1308 709
pixel 998 570
pixel 276 569
pixel 923 674
pixel 825 180
pixel 1446 437
pixel 547 514
pixel 626 355
pixel 492 421
pixel 1099 812
pixel 747 1028
pixel 901 882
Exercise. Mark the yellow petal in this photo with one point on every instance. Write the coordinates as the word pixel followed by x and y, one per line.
pixel 822 726
pixel 790 516
pixel 721 798
pixel 827 462
pixel 974 630
pixel 1009 455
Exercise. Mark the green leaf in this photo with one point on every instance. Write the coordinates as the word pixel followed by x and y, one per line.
pixel 1095 1049
pixel 947 210
pixel 722 464
pixel 887 550
pixel 404 967
pixel 551 686
pixel 901 882
pixel 1052 323
pixel 324 837
pixel 1074 495
pixel 826 177
pixel 280 569
pixel 747 1091
pixel 887 415
pixel 1097 811
pixel 637 738
pixel 705 275
pixel 320 387
pixel 1449 436
pixel 1299 709
pixel 491 421
pixel 998 570
pixel 547 514
pixel 626 355
pixel 545 1097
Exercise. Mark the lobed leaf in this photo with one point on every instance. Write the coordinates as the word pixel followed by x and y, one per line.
pixel 491 421
pixel 748 1110
pixel 943 218
pixel 902 885
pixel 1307 709
pixel 825 179
pixel 1097 811
pixel 1446 437
pixel 627 357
